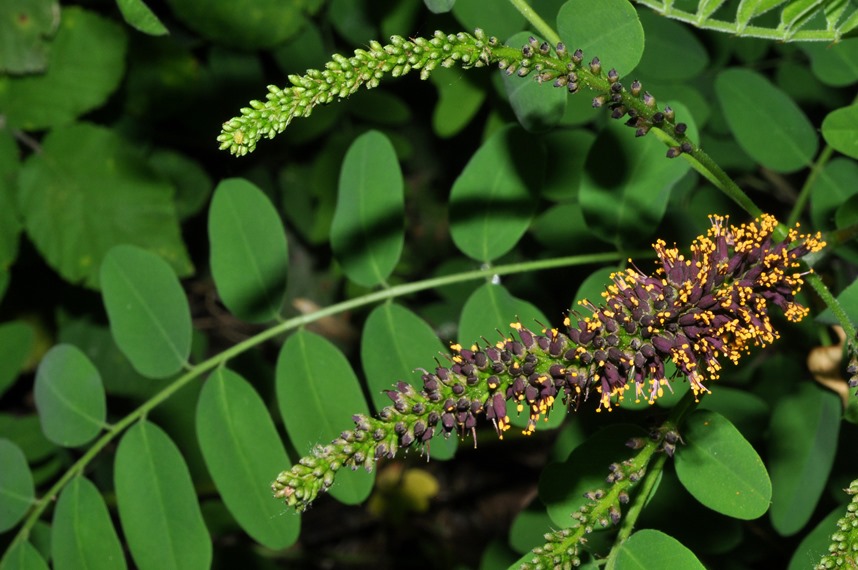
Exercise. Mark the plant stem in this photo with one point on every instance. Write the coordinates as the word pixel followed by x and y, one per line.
pixel 536 21
pixel 736 29
pixel 220 359
pixel 804 195
pixel 673 423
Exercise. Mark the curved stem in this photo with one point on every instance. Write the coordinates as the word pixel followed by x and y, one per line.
pixel 285 326
pixel 804 195
pixel 536 21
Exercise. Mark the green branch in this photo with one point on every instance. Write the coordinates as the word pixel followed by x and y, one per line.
pixel 291 324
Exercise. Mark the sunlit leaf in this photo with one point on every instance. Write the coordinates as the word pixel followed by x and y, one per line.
pixel 367 230
pixel 82 534
pixel 650 549
pixel 318 393
pixel 248 251
pixel 243 453
pixel 148 312
pixel 840 130
pixel 69 396
pixel 158 506
pixel 491 202
pixel 714 450
pixel 25 30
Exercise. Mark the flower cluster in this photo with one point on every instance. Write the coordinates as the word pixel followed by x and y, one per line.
pixel 343 76
pixel 694 310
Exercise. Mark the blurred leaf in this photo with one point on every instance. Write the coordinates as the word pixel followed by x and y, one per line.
pixel 529 527
pixel 22 556
pixel 69 397
pixel 627 183
pixel 233 24
pixel 82 534
pixel 25 26
pixel 815 543
pixel 158 507
pixel 537 107
pixel 848 299
pixel 25 431
pixel 650 549
pixel 248 251
pixel 148 312
pixel 503 20
pixel 16 485
pixel 840 130
pixel 367 230
pixel 767 124
pixel 16 345
pixel 492 200
pixel 89 190
pixel 566 153
pixel 317 393
pixel 439 6
pixel 243 453
pixel 459 99
pixel 834 185
pixel 749 9
pixel 85 65
pixel 613 33
pixel 745 410
pixel 714 450
pixel 10 223
pixel 379 107
pixel 834 64
pixel 193 185
pixel 351 20
pixel 138 15
pixel 802 444
pixel 395 345
pixel 562 485
pixel 664 39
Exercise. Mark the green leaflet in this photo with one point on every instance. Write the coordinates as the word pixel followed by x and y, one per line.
pixel 714 450
pixel 597 32
pixel 767 124
pixel 138 15
pixel 24 41
pixel 243 451
pixel 804 432
pixel 317 393
pixel 248 251
pixel 23 556
pixel 367 230
pixel 491 202
pixel 562 485
pixel 88 190
pixel 82 534
pixel 650 549
pixel 69 397
pixel 85 46
pixel 395 345
pixel 16 342
pixel 459 99
pixel 158 506
pixel 148 311
pixel 16 485
pixel 537 107
pixel 627 183
pixel 840 130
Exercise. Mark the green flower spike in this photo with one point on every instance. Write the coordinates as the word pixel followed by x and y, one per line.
pixel 694 311
pixel 843 551
pixel 343 76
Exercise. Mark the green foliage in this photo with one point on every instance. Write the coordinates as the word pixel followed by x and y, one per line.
pixel 178 325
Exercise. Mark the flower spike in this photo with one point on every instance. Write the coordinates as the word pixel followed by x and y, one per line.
pixel 695 310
